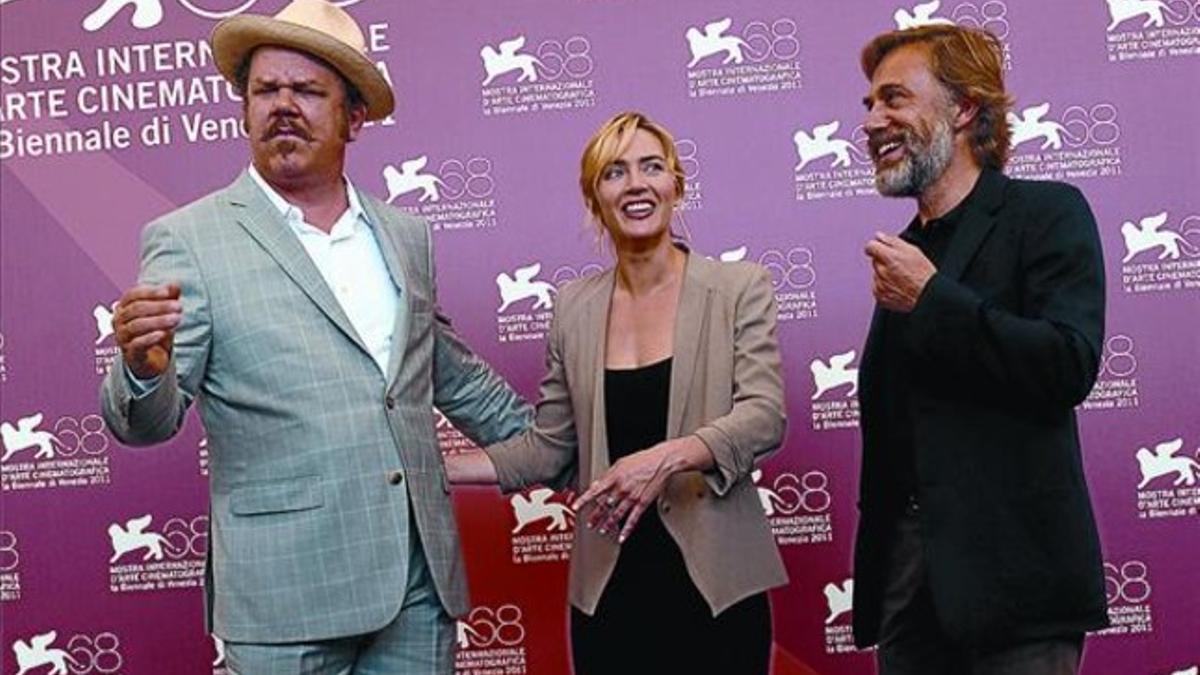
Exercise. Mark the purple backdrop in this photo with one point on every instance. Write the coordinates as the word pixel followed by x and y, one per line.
pixel 111 113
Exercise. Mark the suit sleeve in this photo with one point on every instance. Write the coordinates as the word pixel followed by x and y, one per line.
pixel 156 416
pixel 755 425
pixel 475 398
pixel 547 452
pixel 1046 357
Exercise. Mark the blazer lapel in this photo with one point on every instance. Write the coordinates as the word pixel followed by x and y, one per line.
pixel 975 225
pixel 596 331
pixel 262 221
pixel 690 332
pixel 393 249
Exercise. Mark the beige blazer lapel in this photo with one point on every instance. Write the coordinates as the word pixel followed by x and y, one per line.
pixel 690 328
pixel 594 341
pixel 263 222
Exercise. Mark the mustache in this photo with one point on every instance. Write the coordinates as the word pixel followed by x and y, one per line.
pixel 282 126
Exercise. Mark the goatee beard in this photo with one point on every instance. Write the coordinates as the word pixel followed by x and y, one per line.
pixel 922 164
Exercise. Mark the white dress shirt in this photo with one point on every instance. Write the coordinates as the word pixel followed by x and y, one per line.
pixel 350 261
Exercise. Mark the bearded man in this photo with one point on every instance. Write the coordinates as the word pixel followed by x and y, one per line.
pixel 977 550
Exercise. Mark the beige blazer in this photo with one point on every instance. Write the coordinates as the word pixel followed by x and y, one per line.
pixel 726 388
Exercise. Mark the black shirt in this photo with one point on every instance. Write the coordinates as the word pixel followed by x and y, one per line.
pixel 899 378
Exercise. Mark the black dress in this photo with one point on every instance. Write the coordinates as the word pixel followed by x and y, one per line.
pixel 651 618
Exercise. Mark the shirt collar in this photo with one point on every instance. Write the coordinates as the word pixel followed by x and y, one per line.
pixel 916 230
pixel 293 214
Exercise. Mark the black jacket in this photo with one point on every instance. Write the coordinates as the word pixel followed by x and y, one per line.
pixel 1004 342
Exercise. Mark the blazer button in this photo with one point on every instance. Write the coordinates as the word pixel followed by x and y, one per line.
pixel 396 477
pixel 665 507
pixel 390 402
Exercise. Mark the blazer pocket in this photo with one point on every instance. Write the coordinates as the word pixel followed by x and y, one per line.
pixel 282 496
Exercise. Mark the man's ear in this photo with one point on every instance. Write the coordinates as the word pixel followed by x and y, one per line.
pixel 967 109
pixel 357 117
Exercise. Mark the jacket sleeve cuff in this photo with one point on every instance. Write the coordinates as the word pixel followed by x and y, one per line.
pixel 724 473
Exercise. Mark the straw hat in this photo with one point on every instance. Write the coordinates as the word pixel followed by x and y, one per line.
pixel 316 27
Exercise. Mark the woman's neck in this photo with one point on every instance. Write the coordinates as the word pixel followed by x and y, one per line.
pixel 641 272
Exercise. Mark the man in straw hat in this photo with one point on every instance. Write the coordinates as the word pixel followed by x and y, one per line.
pixel 303 314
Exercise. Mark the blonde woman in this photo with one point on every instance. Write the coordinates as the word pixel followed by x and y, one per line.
pixel 662 391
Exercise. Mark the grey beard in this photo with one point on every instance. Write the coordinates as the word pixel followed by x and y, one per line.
pixel 923 164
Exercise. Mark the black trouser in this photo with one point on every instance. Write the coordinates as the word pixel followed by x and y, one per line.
pixel 911 641
pixel 660 640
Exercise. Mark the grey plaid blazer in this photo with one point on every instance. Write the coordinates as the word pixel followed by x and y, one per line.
pixel 310 520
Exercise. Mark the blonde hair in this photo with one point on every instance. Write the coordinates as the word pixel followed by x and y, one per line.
pixel 969 62
pixel 606 145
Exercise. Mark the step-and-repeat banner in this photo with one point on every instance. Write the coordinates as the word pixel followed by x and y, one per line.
pixel 111 113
